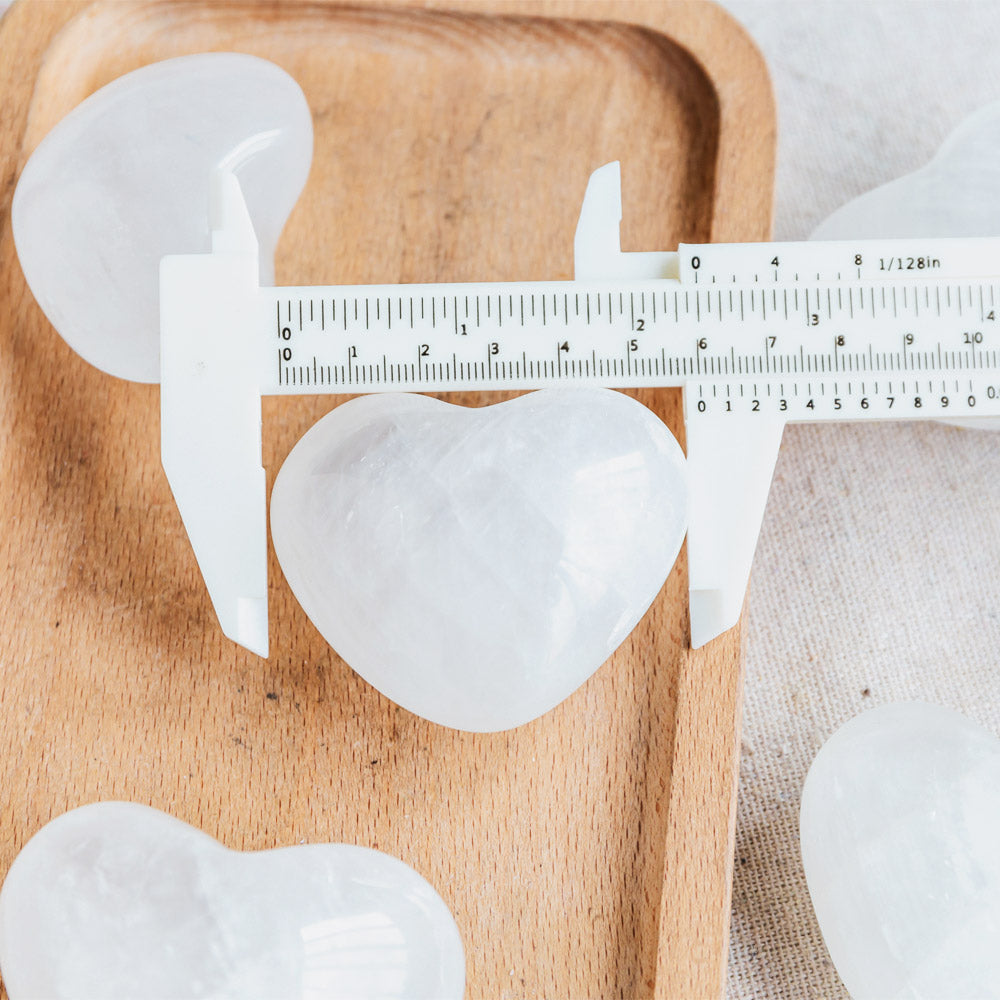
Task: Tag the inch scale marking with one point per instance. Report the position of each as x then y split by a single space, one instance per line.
868 349
756 335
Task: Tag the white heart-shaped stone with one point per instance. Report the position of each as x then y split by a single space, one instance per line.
899 822
124 179
478 565
953 195
117 901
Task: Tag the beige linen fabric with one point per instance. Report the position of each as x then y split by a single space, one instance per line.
877 576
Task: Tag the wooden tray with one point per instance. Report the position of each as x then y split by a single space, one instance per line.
585 855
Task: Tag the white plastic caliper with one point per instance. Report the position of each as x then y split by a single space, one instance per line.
756 335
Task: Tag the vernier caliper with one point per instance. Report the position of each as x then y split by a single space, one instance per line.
756 335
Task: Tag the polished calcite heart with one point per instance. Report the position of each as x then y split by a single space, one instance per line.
899 827
117 901
124 179
955 194
478 565
952 195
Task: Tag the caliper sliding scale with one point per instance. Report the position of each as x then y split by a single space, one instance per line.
755 334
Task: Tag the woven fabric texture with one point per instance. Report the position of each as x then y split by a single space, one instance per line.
877 576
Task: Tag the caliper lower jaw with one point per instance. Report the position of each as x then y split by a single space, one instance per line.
210 414
730 463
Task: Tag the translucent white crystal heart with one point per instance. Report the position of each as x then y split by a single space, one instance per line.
478 565
117 901
124 179
953 195
900 814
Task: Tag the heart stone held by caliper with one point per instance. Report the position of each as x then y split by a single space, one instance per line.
756 334
517 544
584 492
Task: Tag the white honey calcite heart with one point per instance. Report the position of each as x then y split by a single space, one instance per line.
117 901
955 194
124 179
478 565
899 826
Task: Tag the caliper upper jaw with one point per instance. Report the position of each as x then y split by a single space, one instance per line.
730 464
597 253
210 414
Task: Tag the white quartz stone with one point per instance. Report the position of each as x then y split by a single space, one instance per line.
478 565
899 827
124 179
116 901
953 195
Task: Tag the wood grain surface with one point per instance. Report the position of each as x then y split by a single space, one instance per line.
587 854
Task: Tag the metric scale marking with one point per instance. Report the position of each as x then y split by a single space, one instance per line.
756 335
525 336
